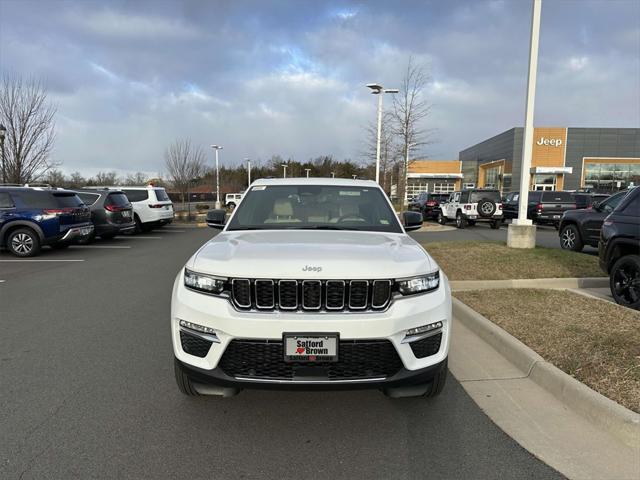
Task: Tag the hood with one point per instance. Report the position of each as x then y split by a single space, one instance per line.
312 254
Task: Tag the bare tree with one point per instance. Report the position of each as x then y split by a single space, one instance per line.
389 150
55 178
184 164
137 178
410 108
29 119
76 180
104 179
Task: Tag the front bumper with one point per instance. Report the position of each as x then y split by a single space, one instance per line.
390 326
404 378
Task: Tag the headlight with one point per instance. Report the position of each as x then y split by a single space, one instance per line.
203 283
421 284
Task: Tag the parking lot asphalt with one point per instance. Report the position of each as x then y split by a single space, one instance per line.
545 236
87 391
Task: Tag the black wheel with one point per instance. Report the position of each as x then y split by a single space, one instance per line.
624 281
23 242
59 246
556 225
438 383
461 222
441 219
495 224
138 228
570 239
183 381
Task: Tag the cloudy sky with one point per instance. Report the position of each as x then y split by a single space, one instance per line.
287 77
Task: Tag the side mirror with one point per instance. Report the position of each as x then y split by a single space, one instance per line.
216 218
412 221
596 206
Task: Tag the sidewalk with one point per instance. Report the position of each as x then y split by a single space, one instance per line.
533 417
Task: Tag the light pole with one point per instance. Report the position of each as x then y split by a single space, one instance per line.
216 148
379 90
248 160
354 176
522 233
333 174
3 132
284 170
307 170
406 172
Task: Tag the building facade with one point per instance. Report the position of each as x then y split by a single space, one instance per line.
598 159
436 176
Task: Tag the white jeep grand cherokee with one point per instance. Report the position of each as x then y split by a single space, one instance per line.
312 284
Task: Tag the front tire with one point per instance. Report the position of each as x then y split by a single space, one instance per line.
624 281
570 239
461 222
441 219
183 381
437 385
23 242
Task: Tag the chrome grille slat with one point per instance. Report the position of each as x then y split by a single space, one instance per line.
311 295
265 294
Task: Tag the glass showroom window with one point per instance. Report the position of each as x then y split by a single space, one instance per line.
544 182
444 187
492 177
416 187
611 177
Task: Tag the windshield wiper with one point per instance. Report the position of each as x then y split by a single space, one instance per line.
322 227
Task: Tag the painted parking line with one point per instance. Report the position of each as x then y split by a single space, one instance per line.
2 281
143 238
99 246
172 231
39 260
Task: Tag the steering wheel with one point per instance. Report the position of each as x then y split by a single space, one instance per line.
345 218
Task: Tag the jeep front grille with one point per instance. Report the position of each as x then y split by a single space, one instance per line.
311 295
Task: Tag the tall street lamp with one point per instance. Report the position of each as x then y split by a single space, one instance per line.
248 160
307 170
379 90
521 232
216 148
284 170
3 132
333 174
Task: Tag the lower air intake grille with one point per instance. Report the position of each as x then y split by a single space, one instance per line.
194 345
264 359
427 346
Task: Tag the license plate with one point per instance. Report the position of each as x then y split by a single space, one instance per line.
556 216
85 231
473 216
126 213
311 348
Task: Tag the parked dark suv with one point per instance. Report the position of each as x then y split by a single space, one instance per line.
619 250
582 227
428 204
111 212
545 207
32 217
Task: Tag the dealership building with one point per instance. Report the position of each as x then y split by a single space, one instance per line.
597 159
600 159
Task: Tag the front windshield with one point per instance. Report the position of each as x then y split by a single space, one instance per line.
321 207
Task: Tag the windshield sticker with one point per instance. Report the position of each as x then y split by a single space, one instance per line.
350 193
259 187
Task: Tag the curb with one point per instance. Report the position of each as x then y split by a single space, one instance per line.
547 283
619 421
190 225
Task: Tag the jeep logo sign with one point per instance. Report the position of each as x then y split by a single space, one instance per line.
310 268
554 142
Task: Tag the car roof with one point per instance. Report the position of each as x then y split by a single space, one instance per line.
345 182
